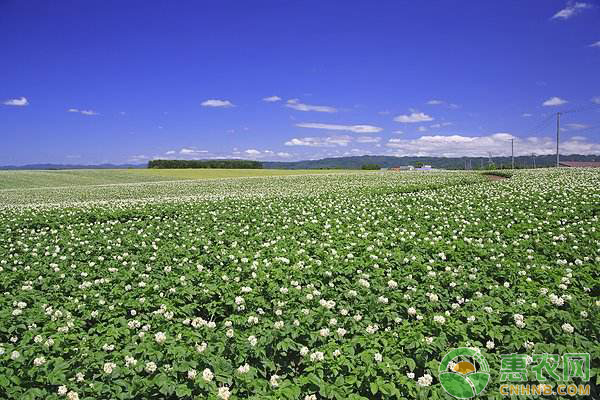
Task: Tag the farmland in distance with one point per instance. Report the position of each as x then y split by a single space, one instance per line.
85 177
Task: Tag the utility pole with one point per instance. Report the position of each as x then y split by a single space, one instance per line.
557 139
533 155
512 151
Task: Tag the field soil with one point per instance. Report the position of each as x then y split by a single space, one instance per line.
495 177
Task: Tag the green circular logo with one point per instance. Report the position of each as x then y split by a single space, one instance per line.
459 376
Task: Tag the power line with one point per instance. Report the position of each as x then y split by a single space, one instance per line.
542 124
545 123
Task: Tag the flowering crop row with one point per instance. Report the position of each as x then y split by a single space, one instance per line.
306 287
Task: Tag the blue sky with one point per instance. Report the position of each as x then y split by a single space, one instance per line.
113 81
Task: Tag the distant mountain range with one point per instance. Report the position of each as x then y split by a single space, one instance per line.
436 162
356 162
72 166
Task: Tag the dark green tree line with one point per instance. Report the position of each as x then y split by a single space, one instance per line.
232 164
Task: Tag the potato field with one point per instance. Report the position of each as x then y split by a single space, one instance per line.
332 286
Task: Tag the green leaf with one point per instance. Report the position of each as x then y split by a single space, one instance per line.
373 387
183 391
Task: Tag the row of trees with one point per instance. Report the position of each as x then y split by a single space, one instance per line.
227 164
371 166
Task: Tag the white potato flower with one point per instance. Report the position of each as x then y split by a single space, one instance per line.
38 361
223 393
243 369
317 356
109 367
160 337
207 375
72 395
252 340
150 367
425 380
568 328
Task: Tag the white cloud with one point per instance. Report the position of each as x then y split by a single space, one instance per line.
526 115
413 117
296 105
84 112
479 146
596 100
398 132
283 154
440 125
571 9
216 103
574 126
597 44
422 128
331 141
335 127
368 139
436 102
554 101
272 99
170 152
138 158
252 152
20 102
191 152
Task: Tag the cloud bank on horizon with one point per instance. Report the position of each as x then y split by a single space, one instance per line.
321 82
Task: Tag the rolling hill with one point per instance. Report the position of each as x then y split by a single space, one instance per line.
356 162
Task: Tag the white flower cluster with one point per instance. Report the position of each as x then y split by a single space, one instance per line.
425 380
519 320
